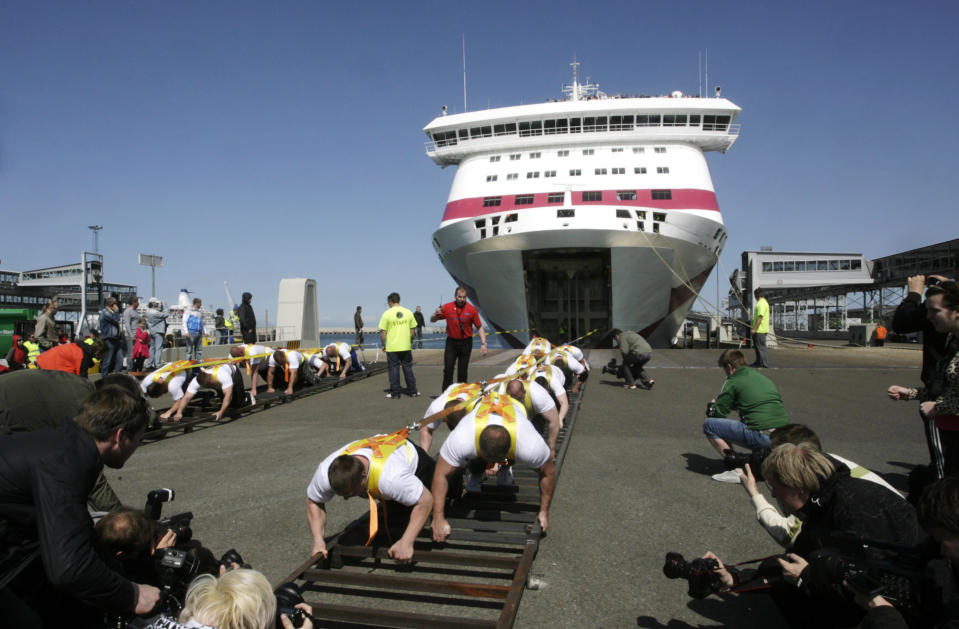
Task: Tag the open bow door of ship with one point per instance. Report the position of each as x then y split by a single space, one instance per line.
568 291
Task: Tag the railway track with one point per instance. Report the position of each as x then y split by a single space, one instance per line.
475 579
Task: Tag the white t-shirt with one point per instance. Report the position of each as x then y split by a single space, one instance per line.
576 352
521 363
539 396
439 404
397 480
538 344
256 350
223 374
174 385
316 360
460 445
557 382
571 363
343 349
293 357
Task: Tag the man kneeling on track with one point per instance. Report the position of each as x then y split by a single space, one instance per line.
337 358
226 380
385 467
288 361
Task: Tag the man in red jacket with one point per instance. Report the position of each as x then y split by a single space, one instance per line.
460 318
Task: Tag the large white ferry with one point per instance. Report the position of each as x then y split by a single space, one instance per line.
593 211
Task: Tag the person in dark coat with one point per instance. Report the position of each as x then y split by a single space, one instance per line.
247 319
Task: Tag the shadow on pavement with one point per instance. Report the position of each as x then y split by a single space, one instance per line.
700 464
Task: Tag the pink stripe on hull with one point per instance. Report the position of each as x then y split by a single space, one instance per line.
685 199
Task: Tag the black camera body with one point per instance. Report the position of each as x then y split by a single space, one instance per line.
733 460
700 573
179 524
288 596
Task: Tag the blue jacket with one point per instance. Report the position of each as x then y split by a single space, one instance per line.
109 324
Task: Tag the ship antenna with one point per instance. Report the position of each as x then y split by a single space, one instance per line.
574 94
464 72
707 69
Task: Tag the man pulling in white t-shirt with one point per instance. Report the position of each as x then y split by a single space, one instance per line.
337 357
454 395
288 360
387 467
495 431
254 354
219 378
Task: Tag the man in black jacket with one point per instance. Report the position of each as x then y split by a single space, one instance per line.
247 319
48 563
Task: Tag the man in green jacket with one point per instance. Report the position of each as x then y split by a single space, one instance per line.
636 353
760 410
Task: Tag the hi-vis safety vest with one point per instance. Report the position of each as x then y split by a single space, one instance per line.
539 345
382 446
471 390
33 350
527 400
524 361
501 405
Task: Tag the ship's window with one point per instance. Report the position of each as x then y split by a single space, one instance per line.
639 170
789 266
651 120
662 170
844 265
619 171
810 265
674 120
822 265
639 149
492 201
800 265
491 177
641 214
481 132
534 127
694 120
655 228
659 216
555 197
616 150
511 176
445 138
480 222
640 226
549 127
565 213
575 125
464 134
715 123
834 265
718 231
662 195
856 265
767 267
508 128
514 156
496 231
616 123
622 214
533 175
660 149
494 158
483 233
591 123
524 199
599 171
576 172
549 173
535 155
588 151
722 123
626 195
511 218
593 195
777 266
562 126
562 153
495 220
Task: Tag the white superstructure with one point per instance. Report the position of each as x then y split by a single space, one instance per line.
589 212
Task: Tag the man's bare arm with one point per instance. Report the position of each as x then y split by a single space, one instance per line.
316 517
441 529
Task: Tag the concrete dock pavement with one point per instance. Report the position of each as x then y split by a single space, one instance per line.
635 483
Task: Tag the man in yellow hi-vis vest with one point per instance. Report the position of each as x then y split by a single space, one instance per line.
385 467
495 432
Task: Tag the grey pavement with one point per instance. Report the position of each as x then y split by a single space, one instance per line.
635 483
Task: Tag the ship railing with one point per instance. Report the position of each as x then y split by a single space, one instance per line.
726 129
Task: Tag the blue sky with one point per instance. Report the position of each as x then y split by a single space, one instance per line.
249 141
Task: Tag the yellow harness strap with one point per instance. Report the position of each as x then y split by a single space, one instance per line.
382 447
164 373
501 405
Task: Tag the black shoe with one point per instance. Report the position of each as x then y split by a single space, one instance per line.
649 384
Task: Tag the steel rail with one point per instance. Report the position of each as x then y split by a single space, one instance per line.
474 579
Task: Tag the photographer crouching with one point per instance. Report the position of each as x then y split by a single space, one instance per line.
821 493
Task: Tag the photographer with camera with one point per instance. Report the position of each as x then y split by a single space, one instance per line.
636 353
48 562
760 410
821 493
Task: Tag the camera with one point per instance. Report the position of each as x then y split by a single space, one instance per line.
700 573
288 596
611 367
733 460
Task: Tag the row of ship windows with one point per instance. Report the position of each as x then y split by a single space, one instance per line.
494 221
589 195
811 265
576 172
565 153
589 124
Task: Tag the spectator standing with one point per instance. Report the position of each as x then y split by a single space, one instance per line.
156 317
358 326
461 317
192 330
141 346
247 319
760 328
18 356
397 326
420 324
46 328
232 323
881 333
219 323
131 320
110 335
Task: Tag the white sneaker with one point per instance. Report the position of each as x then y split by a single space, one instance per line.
504 477
729 476
473 484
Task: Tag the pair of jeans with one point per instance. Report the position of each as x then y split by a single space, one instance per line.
194 345
634 363
129 344
457 350
114 354
156 350
395 360
733 431
221 337
759 343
